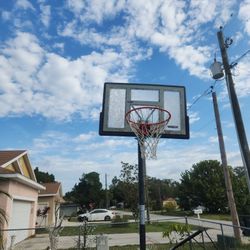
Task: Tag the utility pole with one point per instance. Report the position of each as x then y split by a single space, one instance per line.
242 139
106 191
228 183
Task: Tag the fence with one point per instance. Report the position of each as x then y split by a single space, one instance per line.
215 234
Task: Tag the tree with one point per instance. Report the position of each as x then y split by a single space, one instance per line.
88 192
204 185
43 177
241 191
125 188
160 190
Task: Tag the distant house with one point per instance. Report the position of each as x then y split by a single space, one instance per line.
69 209
49 201
170 204
17 178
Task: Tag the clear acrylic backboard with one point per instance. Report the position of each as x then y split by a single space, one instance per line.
119 98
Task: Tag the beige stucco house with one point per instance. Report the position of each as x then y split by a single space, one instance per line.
17 178
49 201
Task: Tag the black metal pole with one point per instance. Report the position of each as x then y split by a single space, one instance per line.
141 163
235 107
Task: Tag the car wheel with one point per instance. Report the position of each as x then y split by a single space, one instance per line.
85 218
80 219
107 218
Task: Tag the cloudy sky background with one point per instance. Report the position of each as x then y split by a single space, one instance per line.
56 55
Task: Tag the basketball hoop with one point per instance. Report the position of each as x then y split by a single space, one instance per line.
148 123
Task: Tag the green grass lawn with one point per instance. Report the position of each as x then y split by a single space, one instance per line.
226 217
115 229
123 228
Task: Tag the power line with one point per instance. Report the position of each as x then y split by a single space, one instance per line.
233 64
205 93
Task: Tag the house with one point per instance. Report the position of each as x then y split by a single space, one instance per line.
170 204
17 178
49 201
69 209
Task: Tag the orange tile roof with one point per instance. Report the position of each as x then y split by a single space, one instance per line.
8 155
51 188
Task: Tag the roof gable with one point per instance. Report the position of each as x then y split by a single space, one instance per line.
52 189
8 156
15 166
17 161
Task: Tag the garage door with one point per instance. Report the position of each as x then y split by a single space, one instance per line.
20 219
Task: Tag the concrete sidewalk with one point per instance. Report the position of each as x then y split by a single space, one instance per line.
41 241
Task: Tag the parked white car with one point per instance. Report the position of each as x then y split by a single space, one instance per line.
97 214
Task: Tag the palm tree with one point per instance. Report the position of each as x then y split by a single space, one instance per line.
3 219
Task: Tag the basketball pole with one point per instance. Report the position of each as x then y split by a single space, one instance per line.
141 167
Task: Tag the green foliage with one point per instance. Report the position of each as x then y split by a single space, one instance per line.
170 206
43 177
203 185
87 191
108 229
119 221
125 188
83 238
176 232
159 190
241 192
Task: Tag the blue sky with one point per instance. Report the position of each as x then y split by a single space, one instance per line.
56 55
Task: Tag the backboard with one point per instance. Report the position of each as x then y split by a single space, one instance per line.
119 98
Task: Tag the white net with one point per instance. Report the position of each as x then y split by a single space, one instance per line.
148 124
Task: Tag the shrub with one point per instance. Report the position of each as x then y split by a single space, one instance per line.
119 221
175 232
170 205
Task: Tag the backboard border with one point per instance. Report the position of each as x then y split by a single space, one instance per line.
170 135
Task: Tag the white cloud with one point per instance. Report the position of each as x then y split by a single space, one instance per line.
95 10
192 59
52 85
45 15
242 78
55 152
193 117
6 15
85 137
175 27
59 46
213 139
194 134
244 14
172 161
24 4
202 11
